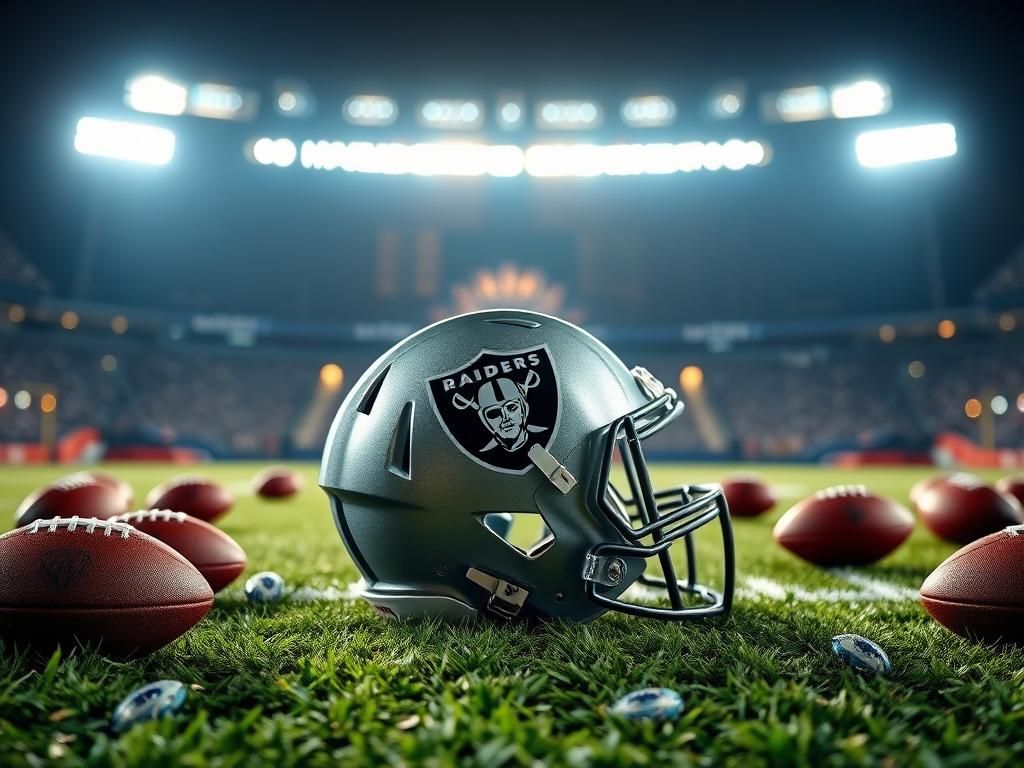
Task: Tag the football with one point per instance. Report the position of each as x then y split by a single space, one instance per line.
100 582
77 494
117 484
979 590
964 508
844 525
747 495
194 496
277 483
1012 485
215 554
926 484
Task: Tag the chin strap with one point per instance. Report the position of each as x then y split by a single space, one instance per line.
506 598
552 468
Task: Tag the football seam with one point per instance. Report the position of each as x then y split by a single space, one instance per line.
1014 608
64 609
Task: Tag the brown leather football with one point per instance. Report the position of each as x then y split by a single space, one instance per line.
192 495
277 483
77 494
100 582
979 590
964 508
747 495
844 525
215 554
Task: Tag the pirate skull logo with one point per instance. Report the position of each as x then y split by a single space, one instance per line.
499 404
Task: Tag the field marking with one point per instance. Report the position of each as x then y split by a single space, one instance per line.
865 590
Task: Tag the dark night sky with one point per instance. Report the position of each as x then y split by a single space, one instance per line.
964 56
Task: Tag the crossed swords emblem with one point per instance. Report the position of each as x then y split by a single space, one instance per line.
503 409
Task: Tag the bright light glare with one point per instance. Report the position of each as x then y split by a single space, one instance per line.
22 400
370 109
879 149
568 115
124 141
279 152
510 114
435 159
795 105
220 102
648 111
999 405
542 160
861 99
451 113
152 93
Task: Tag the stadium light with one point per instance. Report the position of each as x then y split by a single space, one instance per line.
511 111
156 94
568 115
69 320
108 363
292 99
691 378
1007 322
48 402
727 100
795 105
895 146
3 397
267 151
331 376
887 333
916 369
429 159
370 109
451 114
1020 402
999 405
546 160
972 408
648 111
134 142
15 313
119 324
864 98
22 400
222 102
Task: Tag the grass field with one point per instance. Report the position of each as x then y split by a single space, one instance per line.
327 682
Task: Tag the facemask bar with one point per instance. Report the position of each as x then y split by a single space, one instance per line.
663 516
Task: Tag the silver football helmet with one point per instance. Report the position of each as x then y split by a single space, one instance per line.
479 421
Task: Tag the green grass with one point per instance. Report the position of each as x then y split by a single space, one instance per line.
329 683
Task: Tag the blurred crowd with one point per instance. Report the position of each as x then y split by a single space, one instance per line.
246 402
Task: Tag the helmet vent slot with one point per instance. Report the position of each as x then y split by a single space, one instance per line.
370 396
525 532
400 452
520 322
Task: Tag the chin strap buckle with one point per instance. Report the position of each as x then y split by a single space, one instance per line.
506 598
552 468
608 571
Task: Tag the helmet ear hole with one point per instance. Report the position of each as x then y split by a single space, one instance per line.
525 532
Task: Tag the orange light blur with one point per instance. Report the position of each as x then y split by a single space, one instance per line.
887 333
331 376
3 397
973 408
691 378
119 324
15 313
947 329
1007 322
69 320
48 403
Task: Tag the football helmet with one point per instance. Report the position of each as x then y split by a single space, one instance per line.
482 420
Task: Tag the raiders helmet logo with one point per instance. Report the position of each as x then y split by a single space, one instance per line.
499 404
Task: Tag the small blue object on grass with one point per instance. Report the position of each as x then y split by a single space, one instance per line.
152 701
649 704
861 654
264 587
